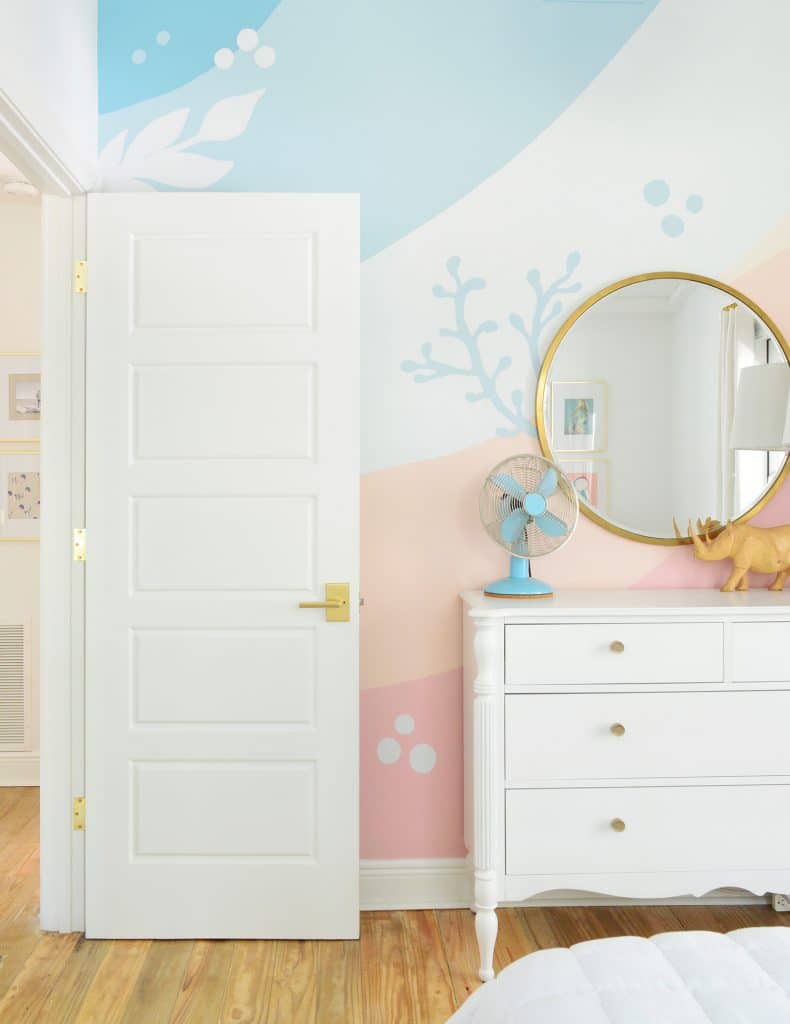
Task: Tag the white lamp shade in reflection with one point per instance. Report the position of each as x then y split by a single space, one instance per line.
762 409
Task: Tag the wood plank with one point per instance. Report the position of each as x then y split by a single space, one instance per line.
203 985
385 964
457 928
429 971
158 983
10 798
763 917
633 920
539 923
294 990
723 918
249 983
701 918
19 933
514 939
114 981
67 995
339 995
31 988
565 925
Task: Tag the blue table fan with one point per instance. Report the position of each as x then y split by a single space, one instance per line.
529 507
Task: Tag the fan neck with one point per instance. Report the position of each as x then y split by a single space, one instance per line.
520 568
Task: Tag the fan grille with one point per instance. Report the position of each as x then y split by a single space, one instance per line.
496 505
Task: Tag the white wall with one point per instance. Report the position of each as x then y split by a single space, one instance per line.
694 438
629 352
48 69
20 304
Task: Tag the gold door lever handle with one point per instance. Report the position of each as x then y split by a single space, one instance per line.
337 603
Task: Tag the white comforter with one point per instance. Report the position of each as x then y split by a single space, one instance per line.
674 978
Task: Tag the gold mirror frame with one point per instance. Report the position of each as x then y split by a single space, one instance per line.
543 380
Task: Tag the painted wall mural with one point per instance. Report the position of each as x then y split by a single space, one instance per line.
512 158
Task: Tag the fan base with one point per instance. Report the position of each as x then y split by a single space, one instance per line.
518 588
519 597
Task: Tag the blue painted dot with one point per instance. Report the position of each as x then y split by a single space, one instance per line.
672 225
694 204
656 192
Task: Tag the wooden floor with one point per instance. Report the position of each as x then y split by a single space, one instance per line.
411 967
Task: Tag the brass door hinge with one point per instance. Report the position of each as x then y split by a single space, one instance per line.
79 544
78 814
81 277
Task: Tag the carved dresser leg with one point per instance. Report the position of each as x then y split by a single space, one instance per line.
486 923
485 794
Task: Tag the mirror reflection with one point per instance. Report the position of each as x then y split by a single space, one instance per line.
642 409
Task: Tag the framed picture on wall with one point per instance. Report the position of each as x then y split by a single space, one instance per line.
20 397
579 410
20 476
590 479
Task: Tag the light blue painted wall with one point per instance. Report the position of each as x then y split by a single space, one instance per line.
412 104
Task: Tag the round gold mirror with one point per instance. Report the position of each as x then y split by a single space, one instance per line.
639 404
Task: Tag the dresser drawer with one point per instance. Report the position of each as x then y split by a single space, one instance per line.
570 654
645 735
760 652
672 828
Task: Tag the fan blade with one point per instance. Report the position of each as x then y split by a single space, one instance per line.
548 485
551 525
509 485
512 528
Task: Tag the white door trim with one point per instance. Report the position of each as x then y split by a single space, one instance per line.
62 590
25 148
62 463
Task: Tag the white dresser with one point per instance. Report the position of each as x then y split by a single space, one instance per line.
629 743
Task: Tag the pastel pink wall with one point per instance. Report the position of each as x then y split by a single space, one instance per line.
413 569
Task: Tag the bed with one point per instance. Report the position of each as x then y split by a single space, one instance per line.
742 977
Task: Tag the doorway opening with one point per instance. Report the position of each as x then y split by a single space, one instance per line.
20 476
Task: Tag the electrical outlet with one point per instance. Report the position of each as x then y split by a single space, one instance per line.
780 902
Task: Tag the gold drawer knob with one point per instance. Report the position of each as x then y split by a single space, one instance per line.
617 729
618 825
617 646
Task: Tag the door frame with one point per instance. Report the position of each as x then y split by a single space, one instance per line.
62 620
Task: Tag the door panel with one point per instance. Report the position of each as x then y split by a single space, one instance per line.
222 490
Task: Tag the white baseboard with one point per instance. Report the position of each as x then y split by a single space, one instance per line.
447 884
414 884
18 769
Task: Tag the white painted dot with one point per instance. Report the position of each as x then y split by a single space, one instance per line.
224 58
162 38
138 56
422 758
404 724
247 39
265 56
388 750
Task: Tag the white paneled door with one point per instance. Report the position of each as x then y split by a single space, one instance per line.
222 491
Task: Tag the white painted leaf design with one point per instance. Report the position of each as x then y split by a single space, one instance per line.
228 118
156 136
184 170
112 153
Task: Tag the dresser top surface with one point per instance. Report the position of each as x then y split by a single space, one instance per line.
749 605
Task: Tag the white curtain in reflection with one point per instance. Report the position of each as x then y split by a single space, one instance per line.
738 348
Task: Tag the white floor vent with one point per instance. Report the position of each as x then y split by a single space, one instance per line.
13 687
